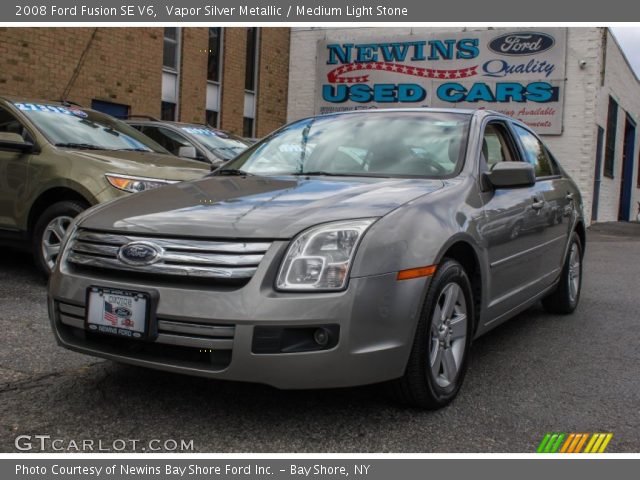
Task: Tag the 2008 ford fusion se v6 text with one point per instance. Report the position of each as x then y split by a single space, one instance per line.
341 250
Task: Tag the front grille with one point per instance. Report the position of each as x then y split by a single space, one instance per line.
180 342
180 257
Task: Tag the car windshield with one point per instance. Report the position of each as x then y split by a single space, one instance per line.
403 144
78 128
223 145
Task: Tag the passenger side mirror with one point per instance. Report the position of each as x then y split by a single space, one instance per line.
14 142
187 151
510 175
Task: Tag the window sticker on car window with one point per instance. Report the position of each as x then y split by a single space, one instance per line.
201 131
78 113
41 107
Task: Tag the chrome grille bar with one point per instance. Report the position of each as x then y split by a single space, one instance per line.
179 257
175 244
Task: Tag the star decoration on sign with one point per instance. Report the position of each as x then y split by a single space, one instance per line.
337 74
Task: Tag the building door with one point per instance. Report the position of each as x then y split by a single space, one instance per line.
626 180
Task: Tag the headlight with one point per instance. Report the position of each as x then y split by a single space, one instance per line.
135 184
319 258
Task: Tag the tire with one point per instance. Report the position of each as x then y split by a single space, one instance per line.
49 231
427 382
564 299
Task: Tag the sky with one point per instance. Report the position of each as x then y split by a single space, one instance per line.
629 39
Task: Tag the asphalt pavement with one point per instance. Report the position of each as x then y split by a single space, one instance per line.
537 373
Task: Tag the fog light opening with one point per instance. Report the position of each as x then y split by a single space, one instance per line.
321 337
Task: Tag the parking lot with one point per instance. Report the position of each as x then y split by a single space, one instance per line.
535 374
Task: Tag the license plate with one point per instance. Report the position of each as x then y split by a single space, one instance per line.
117 312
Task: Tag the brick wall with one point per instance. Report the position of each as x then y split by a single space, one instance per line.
121 66
124 65
272 79
233 66
193 75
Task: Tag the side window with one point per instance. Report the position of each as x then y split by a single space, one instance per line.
168 139
535 153
496 146
10 124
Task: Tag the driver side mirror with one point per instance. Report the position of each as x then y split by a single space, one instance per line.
510 175
14 142
187 151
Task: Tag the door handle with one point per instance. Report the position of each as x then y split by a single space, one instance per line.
537 204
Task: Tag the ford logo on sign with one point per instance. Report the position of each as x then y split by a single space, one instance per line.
139 253
522 43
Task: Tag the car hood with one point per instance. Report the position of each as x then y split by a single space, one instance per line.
144 164
254 207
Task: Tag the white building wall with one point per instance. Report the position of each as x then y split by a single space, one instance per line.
623 86
585 102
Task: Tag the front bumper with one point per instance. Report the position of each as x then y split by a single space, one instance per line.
376 316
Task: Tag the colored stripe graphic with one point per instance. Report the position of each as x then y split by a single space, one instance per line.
556 442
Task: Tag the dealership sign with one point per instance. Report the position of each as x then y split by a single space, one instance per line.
517 72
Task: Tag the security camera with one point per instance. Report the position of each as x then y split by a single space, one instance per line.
582 63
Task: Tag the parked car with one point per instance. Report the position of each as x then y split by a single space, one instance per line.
342 250
58 159
192 141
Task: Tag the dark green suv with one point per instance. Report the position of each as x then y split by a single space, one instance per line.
57 159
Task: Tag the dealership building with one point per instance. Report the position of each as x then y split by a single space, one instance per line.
574 86
232 78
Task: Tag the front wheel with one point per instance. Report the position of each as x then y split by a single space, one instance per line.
439 356
49 231
564 299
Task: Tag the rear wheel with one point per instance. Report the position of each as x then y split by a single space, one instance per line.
439 356
564 299
49 231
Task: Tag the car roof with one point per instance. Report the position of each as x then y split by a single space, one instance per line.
143 120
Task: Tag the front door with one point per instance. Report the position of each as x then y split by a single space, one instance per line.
509 228
14 167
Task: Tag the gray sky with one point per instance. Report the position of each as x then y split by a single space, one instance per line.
629 38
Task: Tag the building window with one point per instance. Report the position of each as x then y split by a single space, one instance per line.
171 50
170 73
612 130
168 111
250 82
251 59
214 54
247 127
212 118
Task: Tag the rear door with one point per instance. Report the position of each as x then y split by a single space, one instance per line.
552 203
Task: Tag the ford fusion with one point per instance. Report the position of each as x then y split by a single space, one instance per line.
342 250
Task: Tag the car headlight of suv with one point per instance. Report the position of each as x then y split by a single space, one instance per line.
320 258
135 184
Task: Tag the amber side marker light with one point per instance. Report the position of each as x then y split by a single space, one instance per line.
416 272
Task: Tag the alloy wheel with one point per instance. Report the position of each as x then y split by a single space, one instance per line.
574 273
52 239
448 335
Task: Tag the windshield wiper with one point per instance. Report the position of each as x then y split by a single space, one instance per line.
232 172
132 150
83 146
323 173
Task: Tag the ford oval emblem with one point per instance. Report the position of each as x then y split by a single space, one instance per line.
139 253
522 43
